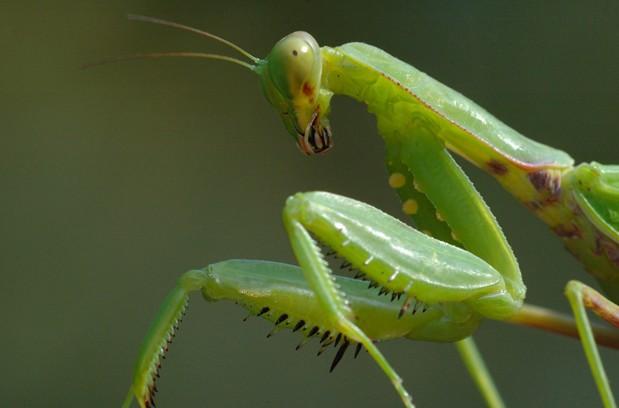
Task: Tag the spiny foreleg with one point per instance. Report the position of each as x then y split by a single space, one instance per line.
395 256
280 294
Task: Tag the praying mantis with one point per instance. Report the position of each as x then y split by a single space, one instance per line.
436 281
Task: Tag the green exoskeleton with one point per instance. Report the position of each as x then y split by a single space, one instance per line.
441 277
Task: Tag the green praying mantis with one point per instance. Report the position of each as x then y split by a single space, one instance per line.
435 281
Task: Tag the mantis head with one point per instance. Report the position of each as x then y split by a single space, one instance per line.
290 77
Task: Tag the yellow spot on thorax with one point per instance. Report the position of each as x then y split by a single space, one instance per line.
410 206
397 180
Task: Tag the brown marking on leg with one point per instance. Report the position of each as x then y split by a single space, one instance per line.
497 168
567 231
601 306
538 179
546 181
608 247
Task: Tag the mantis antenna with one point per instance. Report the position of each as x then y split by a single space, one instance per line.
182 53
192 30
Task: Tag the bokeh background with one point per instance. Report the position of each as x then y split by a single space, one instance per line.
115 180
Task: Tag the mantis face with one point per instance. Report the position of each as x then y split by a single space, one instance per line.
290 77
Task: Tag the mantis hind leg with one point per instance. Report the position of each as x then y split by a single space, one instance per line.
581 297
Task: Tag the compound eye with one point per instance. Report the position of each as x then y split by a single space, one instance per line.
295 64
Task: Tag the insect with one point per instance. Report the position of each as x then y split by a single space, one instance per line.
436 281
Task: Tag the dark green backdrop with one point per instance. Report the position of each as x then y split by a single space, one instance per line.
117 179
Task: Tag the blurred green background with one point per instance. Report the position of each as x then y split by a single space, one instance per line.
117 179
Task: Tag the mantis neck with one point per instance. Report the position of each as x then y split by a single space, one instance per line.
527 169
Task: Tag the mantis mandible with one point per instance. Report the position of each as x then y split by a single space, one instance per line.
440 278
